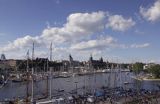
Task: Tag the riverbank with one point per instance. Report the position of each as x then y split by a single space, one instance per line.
142 78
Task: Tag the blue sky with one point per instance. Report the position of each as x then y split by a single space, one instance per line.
125 30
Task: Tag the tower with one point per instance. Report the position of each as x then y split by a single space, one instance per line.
91 62
70 58
3 57
91 58
101 59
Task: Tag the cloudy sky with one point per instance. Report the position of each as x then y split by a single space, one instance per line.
118 30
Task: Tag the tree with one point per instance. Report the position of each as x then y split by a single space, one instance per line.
137 67
155 70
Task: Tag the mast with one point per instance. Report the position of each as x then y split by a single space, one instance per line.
27 77
50 72
46 70
51 52
84 88
120 75
95 81
32 96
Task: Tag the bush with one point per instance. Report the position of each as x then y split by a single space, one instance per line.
137 67
155 70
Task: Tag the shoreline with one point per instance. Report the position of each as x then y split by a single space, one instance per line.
144 78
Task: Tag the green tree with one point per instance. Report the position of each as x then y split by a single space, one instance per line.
155 70
137 67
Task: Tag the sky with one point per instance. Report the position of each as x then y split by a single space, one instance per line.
117 30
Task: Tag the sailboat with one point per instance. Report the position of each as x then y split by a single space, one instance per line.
48 100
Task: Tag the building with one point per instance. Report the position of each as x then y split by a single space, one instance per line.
8 64
74 63
96 64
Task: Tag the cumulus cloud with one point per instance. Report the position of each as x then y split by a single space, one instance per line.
78 26
76 34
140 45
119 23
104 43
21 43
94 44
101 44
152 13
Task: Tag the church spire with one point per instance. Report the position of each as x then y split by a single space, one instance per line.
70 58
91 58
101 59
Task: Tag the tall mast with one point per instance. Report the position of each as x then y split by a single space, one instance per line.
32 96
120 75
47 79
27 76
51 52
50 72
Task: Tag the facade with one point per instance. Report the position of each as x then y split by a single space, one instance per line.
96 64
74 65
8 64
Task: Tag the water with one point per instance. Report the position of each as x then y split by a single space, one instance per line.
91 83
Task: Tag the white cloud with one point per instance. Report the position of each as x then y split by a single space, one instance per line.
79 26
21 43
75 36
157 61
140 45
119 23
152 13
94 44
103 44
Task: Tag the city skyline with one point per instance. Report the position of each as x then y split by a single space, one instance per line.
126 31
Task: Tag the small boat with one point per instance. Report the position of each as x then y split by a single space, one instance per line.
60 90
57 101
17 80
46 102
126 83
64 75
55 76
91 99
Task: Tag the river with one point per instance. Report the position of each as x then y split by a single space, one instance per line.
91 83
